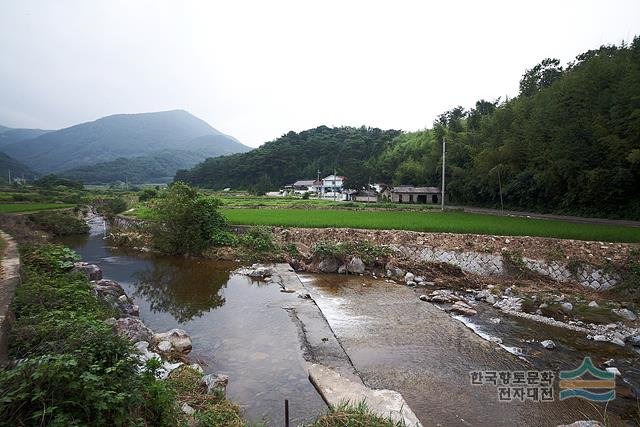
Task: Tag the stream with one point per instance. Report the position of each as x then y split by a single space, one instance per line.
237 325
394 340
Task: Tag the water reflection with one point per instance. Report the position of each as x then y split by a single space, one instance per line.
183 288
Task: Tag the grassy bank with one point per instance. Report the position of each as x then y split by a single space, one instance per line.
31 207
75 370
452 222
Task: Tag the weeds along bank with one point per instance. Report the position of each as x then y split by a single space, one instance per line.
79 355
68 366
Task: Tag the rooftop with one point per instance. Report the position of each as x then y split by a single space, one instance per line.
413 190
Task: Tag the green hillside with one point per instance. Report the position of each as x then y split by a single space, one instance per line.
154 168
294 156
121 135
568 143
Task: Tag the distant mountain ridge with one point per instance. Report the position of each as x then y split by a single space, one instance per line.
9 136
154 168
141 138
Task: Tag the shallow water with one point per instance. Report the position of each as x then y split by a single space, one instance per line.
238 326
397 341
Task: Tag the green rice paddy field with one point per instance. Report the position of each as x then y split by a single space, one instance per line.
31 207
452 222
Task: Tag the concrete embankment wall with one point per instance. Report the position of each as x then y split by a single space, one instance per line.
9 281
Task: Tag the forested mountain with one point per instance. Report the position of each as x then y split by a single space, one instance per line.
154 168
295 156
9 136
122 135
569 143
18 170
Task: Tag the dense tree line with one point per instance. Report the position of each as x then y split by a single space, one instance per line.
296 156
568 143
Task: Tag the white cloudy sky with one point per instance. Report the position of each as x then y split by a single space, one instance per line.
257 69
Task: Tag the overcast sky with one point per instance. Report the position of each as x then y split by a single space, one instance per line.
256 70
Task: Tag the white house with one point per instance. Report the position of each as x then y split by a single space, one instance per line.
333 187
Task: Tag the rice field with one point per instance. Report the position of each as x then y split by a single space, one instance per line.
6 208
451 222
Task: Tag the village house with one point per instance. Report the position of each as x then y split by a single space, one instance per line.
419 195
333 187
306 186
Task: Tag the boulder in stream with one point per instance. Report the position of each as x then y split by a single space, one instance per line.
462 308
548 344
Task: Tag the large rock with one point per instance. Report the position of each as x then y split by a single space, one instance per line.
509 304
440 296
104 287
626 314
355 266
90 271
133 328
566 307
408 277
178 338
548 344
329 265
215 383
462 308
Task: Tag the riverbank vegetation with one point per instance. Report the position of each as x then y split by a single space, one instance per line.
569 143
449 222
70 368
357 415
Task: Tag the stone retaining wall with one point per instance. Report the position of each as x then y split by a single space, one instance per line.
491 264
9 281
478 254
585 275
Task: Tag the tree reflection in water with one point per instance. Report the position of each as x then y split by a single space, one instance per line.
184 288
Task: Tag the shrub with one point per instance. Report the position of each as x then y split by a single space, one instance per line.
59 223
147 194
258 239
186 222
365 250
113 206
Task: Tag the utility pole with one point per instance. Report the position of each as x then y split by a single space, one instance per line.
334 184
318 185
9 176
500 186
444 150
